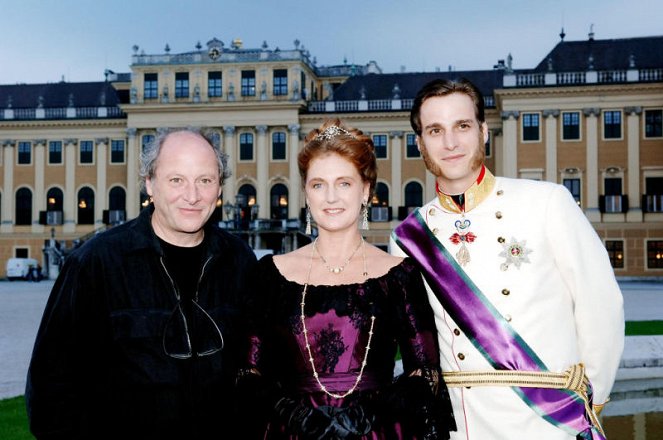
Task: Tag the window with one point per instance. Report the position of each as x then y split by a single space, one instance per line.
248 83
85 152
280 82
23 207
117 199
573 185
145 141
54 198
21 252
214 85
246 146
530 127
613 186
381 197
380 143
613 200
117 151
55 152
85 206
411 149
278 145
615 250
571 126
151 86
414 195
181 84
653 123
279 201
24 153
655 254
612 124
653 199
487 146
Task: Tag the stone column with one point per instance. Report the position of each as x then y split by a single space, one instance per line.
70 197
294 198
39 197
262 171
497 150
229 190
634 213
396 138
133 188
592 206
551 144
9 198
510 150
101 201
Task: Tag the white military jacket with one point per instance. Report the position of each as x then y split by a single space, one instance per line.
559 293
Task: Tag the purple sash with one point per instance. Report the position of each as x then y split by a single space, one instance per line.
488 331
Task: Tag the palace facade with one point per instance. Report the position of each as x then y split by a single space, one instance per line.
588 116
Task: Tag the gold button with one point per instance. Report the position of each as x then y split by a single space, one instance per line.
500 239
500 192
456 332
508 318
461 356
506 292
498 214
435 231
431 211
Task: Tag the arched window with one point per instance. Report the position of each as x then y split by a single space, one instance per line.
246 195
381 197
413 194
117 199
23 207
278 197
85 206
54 198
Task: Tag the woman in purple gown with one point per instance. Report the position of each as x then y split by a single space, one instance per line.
332 314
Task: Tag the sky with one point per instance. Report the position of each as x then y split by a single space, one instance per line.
76 40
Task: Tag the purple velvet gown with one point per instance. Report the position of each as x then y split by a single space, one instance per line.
338 322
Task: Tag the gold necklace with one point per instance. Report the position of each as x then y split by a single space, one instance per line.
308 346
339 269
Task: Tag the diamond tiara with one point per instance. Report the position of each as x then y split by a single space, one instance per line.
331 132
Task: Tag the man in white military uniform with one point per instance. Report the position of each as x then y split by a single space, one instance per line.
529 315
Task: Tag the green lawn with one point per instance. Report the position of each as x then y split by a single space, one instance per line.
635 328
14 422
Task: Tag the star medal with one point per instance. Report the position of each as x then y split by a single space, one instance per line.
514 252
462 237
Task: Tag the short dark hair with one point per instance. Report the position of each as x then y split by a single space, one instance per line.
148 158
444 87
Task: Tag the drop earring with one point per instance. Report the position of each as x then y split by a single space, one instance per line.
364 220
307 231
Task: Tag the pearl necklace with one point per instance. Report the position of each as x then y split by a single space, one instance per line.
323 388
341 268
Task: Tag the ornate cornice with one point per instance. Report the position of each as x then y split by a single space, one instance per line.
261 129
103 140
550 112
396 134
294 128
591 111
229 130
70 141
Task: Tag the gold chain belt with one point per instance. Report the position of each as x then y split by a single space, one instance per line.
573 379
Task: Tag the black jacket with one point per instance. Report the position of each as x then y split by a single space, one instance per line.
99 369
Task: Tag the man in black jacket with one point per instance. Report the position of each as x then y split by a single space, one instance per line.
142 331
